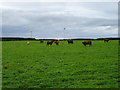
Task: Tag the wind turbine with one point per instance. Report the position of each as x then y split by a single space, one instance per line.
31 33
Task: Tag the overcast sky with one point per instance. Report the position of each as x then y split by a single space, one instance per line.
48 20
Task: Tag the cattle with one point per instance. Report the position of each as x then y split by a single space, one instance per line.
106 40
70 41
53 41
87 43
56 42
50 42
28 43
41 41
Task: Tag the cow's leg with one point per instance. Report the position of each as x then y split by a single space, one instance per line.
90 44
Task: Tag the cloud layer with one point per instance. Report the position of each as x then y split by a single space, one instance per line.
48 20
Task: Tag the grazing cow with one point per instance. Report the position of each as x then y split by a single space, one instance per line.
50 42
87 43
70 41
41 41
106 40
56 42
28 43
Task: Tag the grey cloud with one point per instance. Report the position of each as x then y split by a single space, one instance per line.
49 22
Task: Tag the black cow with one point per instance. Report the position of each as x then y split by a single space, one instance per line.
70 41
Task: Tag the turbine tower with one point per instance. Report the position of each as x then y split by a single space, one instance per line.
64 32
31 33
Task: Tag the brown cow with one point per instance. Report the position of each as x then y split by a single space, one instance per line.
50 42
56 42
106 40
41 41
87 43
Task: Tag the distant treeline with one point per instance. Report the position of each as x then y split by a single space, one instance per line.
108 38
15 39
22 39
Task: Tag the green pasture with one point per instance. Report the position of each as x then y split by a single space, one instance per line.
65 66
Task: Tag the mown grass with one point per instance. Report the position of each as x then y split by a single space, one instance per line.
65 66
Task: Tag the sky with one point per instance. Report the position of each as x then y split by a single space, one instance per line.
48 19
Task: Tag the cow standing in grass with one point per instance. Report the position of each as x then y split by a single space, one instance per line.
28 43
50 42
70 41
41 41
56 42
106 40
87 43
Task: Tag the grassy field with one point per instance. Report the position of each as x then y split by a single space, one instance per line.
65 66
